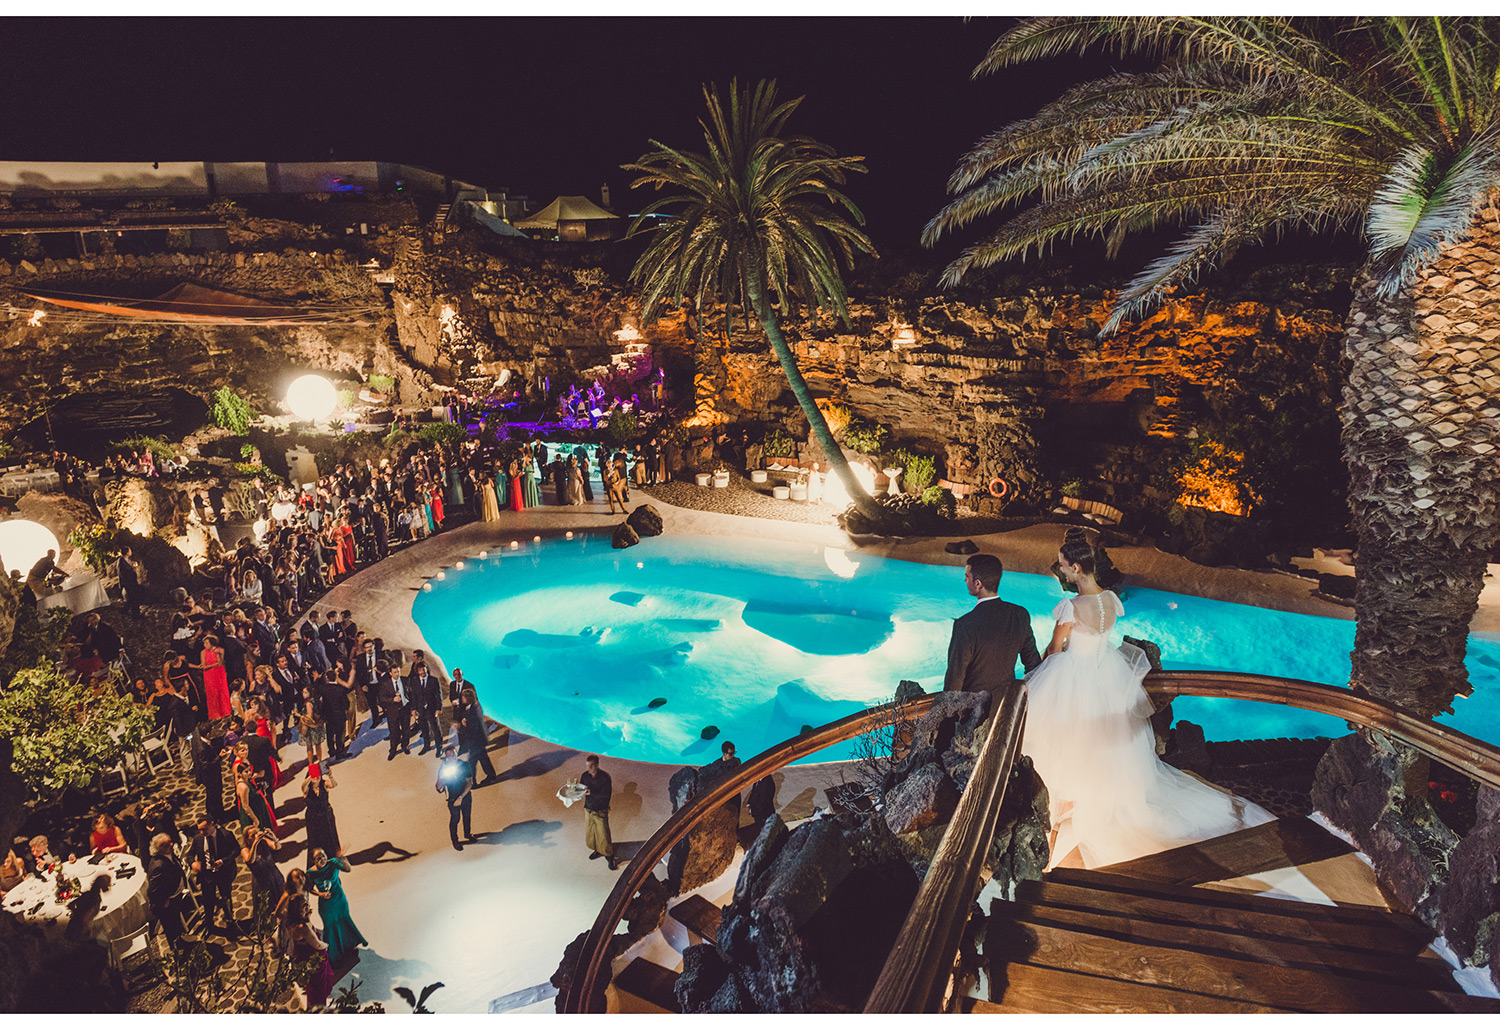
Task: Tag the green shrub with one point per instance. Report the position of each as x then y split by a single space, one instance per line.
247 451
942 499
37 638
779 444
94 544
348 399
379 383
919 470
434 433
623 427
250 471
232 412
64 735
160 449
866 437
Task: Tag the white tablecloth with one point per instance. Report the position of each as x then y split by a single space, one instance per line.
82 592
122 909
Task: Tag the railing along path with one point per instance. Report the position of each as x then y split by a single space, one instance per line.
916 974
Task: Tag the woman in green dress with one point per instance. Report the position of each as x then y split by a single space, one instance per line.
338 929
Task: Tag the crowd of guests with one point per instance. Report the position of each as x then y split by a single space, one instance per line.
253 665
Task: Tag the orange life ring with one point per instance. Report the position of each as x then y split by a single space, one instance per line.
999 487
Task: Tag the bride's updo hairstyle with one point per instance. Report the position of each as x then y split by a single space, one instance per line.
1079 553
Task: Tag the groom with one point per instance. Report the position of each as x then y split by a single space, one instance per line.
986 641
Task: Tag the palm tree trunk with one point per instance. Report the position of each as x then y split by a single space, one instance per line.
1421 430
836 461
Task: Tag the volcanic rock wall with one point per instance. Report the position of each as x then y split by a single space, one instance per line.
68 353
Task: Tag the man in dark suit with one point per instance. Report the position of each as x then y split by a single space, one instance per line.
289 685
986 642
396 704
166 888
215 857
130 583
367 678
334 702
426 694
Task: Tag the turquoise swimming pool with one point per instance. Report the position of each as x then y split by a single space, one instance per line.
635 653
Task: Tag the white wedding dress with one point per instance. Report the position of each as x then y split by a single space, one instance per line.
1089 736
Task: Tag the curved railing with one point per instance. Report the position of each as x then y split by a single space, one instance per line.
586 992
1468 755
915 975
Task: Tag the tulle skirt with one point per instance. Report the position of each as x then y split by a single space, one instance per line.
1089 736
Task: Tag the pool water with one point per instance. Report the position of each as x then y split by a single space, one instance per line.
635 653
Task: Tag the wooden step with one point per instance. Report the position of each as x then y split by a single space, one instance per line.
1428 974
1370 915
1024 988
1368 937
1192 969
1275 845
699 915
649 982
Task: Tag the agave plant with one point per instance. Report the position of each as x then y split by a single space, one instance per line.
758 219
1247 128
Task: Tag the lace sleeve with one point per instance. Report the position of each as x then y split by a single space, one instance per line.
1119 606
1063 613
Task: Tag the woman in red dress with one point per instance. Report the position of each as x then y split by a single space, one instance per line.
107 838
215 681
263 729
517 502
346 543
437 505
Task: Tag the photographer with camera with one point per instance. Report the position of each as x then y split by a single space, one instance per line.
456 779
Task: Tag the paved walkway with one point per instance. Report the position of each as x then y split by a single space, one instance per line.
491 921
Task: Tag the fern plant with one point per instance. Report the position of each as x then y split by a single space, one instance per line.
232 412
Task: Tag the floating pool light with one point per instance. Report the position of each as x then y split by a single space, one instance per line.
569 534
536 539
458 564
311 398
515 545
23 543
426 588
483 555
442 575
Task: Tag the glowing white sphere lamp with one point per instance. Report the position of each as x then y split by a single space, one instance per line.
459 564
311 398
23 543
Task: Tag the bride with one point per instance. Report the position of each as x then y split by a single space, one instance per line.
1089 736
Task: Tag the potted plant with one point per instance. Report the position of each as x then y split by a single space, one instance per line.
377 389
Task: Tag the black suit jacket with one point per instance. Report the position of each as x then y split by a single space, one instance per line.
986 642
222 846
129 581
429 696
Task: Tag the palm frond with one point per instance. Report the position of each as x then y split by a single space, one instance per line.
1425 202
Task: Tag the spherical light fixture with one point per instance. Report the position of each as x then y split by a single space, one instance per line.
311 398
23 543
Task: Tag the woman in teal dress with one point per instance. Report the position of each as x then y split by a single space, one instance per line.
531 496
455 487
338 929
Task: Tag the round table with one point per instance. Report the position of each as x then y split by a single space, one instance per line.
122 909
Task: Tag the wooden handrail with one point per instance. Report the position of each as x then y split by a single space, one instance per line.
1468 755
915 975
586 992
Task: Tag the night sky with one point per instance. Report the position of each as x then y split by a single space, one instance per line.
541 106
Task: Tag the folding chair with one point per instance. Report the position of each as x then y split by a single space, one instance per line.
116 771
131 952
156 754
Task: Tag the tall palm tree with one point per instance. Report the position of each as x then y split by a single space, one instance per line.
1247 128
759 219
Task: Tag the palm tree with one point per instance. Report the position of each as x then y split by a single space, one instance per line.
755 220
1247 128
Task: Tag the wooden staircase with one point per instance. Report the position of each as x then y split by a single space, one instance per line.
1141 937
